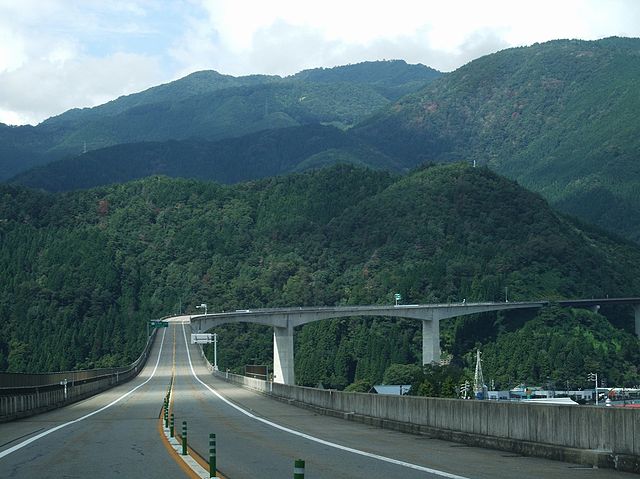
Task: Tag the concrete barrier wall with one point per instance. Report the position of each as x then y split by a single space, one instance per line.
23 401
602 436
582 427
39 399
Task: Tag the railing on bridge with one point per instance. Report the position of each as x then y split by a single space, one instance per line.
23 395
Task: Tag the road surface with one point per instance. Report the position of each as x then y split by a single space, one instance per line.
257 437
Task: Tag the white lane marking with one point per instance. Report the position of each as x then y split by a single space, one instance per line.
6 452
313 438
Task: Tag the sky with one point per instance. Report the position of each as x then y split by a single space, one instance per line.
61 54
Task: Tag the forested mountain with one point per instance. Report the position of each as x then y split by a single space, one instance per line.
83 271
198 83
211 106
392 79
257 155
560 117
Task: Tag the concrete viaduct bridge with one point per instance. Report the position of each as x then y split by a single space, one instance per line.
285 319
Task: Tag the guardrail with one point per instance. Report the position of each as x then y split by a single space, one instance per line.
23 395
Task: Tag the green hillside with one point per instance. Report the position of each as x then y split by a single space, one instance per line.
211 106
392 79
257 155
83 271
198 83
559 117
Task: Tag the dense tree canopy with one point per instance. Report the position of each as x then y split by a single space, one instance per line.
82 272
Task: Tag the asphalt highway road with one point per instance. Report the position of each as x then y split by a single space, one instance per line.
265 439
257 437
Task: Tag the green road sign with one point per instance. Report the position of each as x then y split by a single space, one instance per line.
158 324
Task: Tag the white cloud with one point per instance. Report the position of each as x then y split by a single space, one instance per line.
10 117
62 85
197 48
288 35
58 54
12 50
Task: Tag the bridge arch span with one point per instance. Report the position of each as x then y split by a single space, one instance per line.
284 320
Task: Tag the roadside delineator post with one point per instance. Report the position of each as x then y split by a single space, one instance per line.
212 455
166 414
298 469
184 438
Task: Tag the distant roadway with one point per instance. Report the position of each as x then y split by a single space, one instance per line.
257 437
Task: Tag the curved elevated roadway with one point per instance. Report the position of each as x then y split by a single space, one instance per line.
284 320
256 436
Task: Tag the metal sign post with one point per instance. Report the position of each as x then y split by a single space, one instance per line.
397 297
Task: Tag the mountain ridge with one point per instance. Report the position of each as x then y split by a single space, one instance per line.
212 106
557 116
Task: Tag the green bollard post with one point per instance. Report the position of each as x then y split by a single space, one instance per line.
184 438
171 426
166 415
212 455
298 469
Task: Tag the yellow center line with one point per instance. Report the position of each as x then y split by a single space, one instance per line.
192 452
172 452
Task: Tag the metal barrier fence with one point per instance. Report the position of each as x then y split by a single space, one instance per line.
23 395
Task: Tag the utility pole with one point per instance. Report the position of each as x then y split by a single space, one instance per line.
478 380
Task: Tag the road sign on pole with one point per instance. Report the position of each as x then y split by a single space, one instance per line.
397 297
202 338
203 306
155 323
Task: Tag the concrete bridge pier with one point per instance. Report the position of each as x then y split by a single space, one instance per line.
431 341
636 309
283 355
